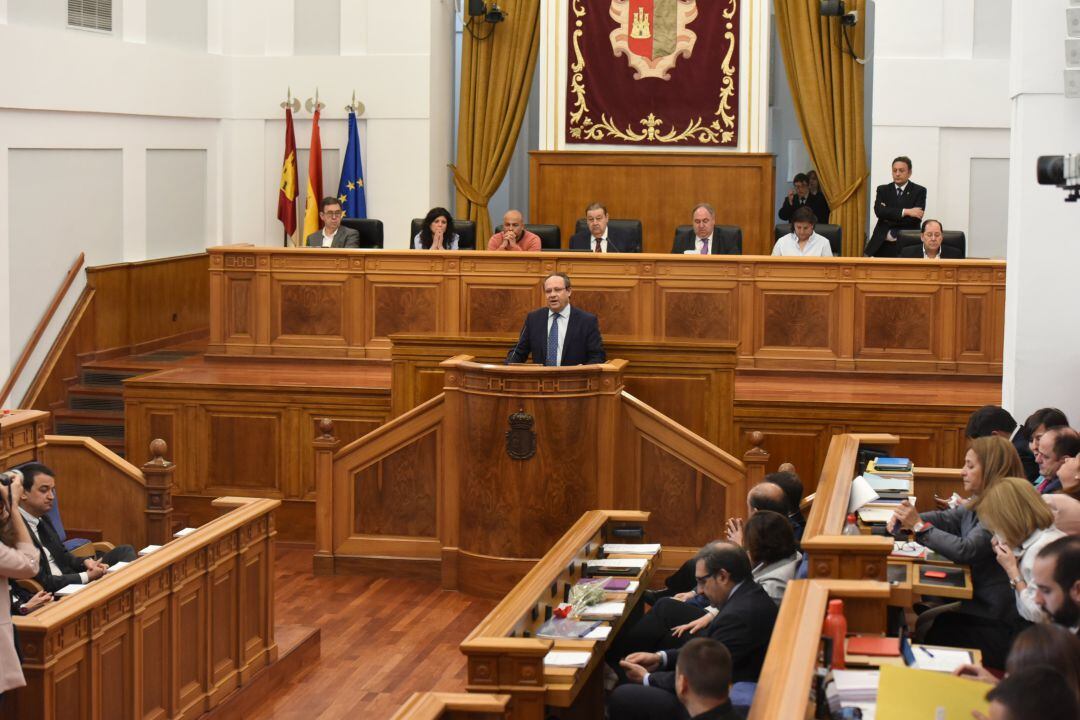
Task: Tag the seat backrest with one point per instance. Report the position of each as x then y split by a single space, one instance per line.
370 229
465 229
832 233
550 237
630 229
953 238
731 232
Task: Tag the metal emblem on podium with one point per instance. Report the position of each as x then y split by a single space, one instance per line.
520 438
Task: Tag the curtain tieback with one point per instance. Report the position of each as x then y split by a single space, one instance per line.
850 191
467 189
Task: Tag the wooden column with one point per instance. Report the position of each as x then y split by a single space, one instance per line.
158 475
325 445
755 459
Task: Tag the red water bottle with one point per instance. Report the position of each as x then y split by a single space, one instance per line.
835 627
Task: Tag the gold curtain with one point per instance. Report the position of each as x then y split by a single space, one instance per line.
496 75
827 86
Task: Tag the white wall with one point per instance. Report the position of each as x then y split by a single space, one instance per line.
940 96
1042 345
194 86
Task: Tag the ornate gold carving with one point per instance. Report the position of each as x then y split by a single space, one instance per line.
584 127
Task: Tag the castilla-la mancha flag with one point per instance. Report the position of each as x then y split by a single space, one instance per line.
286 204
660 73
312 223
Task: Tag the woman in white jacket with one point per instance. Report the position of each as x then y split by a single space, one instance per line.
18 560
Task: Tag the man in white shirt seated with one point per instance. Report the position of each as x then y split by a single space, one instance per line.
931 248
804 242
333 235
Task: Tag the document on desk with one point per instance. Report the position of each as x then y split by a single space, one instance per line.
600 632
861 493
117 566
875 515
603 611
149 549
940 659
621 563
631 548
567 658
69 590
907 693
908 549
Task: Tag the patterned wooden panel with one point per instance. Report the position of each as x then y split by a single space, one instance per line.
973 310
253 618
898 322
160 425
519 508
680 398
68 685
115 675
804 446
699 313
500 309
191 663
688 509
312 309
408 308
156 669
239 306
223 650
614 308
241 451
796 319
397 496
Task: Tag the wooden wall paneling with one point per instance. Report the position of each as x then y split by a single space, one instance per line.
694 310
153 658
347 428
739 185
791 318
494 305
397 495
189 610
230 434
113 668
803 445
308 309
224 618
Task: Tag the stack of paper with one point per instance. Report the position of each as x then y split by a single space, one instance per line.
617 566
184 532
69 590
149 549
567 658
117 566
600 632
631 548
604 611
940 659
856 686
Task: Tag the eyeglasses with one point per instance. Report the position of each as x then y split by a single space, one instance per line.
702 579
333 213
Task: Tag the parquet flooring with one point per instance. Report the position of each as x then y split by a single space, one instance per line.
382 640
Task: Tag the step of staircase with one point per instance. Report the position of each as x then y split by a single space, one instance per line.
96 397
107 377
99 424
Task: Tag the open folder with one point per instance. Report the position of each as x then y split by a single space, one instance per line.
906 694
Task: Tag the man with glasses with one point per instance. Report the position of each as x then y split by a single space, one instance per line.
333 235
743 623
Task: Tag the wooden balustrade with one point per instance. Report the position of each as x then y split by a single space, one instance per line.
169 636
453 706
504 654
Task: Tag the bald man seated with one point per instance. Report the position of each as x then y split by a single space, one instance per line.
514 236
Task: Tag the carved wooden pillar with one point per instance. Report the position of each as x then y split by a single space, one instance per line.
158 476
755 459
325 445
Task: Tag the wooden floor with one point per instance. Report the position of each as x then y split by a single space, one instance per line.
382 640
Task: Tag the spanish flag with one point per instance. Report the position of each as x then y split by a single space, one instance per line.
286 204
312 223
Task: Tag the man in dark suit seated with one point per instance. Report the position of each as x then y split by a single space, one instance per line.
704 241
931 248
801 197
702 684
58 567
743 623
333 235
994 420
898 205
559 334
598 237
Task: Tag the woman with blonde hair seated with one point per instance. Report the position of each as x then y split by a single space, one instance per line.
1022 523
988 620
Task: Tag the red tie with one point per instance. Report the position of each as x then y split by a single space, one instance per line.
597 248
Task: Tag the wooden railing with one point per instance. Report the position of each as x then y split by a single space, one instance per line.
933 482
43 324
453 706
169 636
783 689
504 654
126 308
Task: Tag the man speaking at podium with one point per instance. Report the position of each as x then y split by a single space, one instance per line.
559 334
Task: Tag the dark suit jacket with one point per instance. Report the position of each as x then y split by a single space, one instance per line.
343 238
69 565
744 624
1022 443
915 251
816 203
617 241
581 346
721 245
889 209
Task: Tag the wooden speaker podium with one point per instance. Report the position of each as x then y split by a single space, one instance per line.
476 484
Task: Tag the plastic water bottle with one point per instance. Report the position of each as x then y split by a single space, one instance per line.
850 528
835 627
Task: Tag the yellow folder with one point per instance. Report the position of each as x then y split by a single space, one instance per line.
906 694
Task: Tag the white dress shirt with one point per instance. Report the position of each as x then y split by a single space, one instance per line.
328 240
698 243
603 243
816 246
564 318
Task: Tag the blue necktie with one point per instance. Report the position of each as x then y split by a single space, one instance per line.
553 341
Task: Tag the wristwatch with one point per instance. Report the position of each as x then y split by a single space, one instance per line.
1013 582
920 527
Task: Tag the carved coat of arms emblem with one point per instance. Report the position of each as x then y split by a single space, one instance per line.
520 438
652 34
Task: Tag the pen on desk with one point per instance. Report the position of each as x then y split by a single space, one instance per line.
930 654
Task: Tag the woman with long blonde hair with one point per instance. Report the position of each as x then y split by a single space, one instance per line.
19 560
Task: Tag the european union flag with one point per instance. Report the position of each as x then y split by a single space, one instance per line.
351 188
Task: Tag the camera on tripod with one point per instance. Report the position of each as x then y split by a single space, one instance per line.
1060 170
